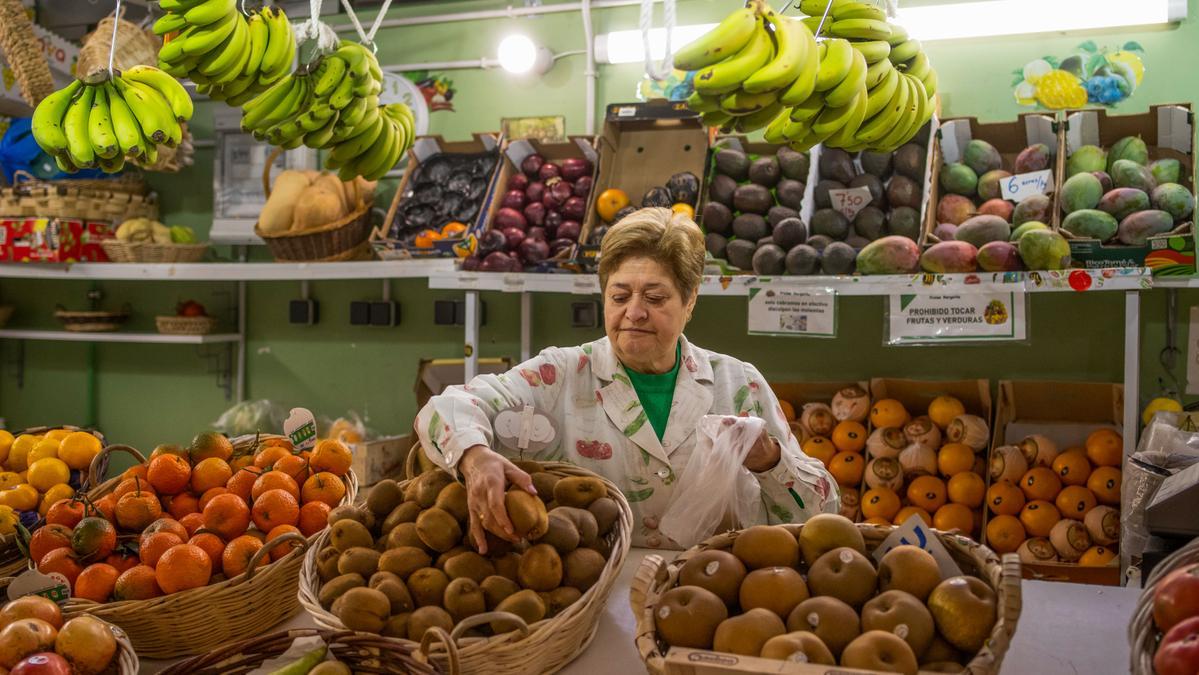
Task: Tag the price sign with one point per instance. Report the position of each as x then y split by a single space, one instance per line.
803 313
1022 186
850 201
924 319
300 427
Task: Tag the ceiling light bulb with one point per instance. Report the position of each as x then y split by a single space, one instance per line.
517 54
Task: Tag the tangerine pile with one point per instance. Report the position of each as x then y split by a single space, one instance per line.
34 639
836 435
190 517
39 470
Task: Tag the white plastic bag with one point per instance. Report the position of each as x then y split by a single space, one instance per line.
1163 451
714 483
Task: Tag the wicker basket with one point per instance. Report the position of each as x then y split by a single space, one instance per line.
114 200
24 53
126 658
125 252
185 325
134 47
202 619
362 652
1143 634
656 576
544 647
98 321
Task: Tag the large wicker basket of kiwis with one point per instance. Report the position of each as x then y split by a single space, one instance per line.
814 593
401 565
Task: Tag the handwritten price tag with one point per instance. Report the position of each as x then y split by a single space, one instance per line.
1025 185
850 201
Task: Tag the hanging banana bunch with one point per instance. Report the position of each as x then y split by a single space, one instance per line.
864 86
103 124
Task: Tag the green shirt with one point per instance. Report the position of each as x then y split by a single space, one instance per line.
656 393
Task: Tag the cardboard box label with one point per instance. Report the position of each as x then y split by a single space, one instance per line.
1025 185
300 427
850 201
922 319
914 532
806 313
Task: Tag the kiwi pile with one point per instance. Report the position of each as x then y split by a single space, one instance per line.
818 597
404 561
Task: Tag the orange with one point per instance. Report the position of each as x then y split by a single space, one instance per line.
1105 447
1074 501
78 450
48 538
193 522
1005 499
426 238
96 582
847 468
137 583
954 517
181 505
227 515
1005 534
151 547
93 539
274 480
241 461
269 455
213 545
61 560
1072 467
207 496
788 410
169 474
327 488
967 488
135 471
880 502
236 558
281 441
314 516
210 473
135 484
849 436
1039 517
888 413
909 511
610 202
1105 483
927 492
169 449
286 547
685 209
452 229
882 522
818 447
954 458
242 482
182 567
333 456
274 508
1097 556
107 506
167 525
21 498
943 409
66 512
122 562
210 444
136 510
1040 482
294 466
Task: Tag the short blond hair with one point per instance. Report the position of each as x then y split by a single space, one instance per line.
671 239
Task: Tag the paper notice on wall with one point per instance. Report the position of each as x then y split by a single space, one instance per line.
983 317
805 313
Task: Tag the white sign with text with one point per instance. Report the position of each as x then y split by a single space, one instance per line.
805 313
850 201
1022 186
917 319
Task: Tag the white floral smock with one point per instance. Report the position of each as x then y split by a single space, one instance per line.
603 428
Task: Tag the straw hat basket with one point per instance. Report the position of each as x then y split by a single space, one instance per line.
543 647
202 619
112 200
185 325
656 576
1143 634
362 652
21 48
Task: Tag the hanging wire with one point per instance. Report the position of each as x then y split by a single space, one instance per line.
662 70
368 39
112 47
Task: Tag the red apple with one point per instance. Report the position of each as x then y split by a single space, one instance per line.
43 663
1176 597
1178 653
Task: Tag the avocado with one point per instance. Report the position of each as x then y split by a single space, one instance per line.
721 190
752 198
750 226
876 163
741 253
792 164
838 258
823 201
778 214
683 188
790 233
769 260
764 171
870 223
732 163
878 198
830 223
905 222
910 160
836 164
717 218
802 259
790 193
819 241
716 244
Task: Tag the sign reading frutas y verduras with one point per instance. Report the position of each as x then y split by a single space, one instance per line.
810 313
916 319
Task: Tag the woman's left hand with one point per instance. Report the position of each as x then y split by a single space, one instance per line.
764 455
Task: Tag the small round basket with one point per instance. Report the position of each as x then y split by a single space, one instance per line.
127 252
126 662
543 647
97 321
185 325
1143 635
656 576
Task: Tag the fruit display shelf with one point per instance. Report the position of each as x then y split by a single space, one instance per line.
255 271
69 336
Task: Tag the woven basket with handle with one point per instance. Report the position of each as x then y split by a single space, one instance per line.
1143 635
362 652
24 53
656 576
128 252
114 200
544 647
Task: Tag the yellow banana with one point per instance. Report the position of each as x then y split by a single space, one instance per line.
899 133
807 110
930 82
861 29
174 133
728 75
259 34
789 59
65 164
726 39
881 94
99 126
775 131
79 146
717 118
831 120
883 122
129 134
859 10
206 38
853 84
357 144
335 72
699 103
835 64
846 135
919 110
169 23
919 66
757 120
740 102
898 35
877 72
905 51
48 118
111 164
170 88
805 84
873 50
211 11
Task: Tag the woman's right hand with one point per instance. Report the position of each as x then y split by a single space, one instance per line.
487 474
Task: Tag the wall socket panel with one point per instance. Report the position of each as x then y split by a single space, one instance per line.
360 313
453 313
303 312
385 313
584 314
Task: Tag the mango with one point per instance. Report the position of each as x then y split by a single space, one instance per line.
949 257
997 207
1033 158
1086 159
981 156
945 232
1105 179
999 256
890 255
1135 230
1175 200
954 209
1166 170
1123 202
1036 207
1130 148
959 179
1126 173
980 230
1091 224
1044 250
1025 228
1081 191
989 186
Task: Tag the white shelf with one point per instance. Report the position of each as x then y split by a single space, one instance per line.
159 338
265 271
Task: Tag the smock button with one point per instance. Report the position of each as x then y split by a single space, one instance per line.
663 473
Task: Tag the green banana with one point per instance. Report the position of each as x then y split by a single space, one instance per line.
805 84
728 75
919 66
846 135
239 66
178 6
321 137
353 113
898 35
854 82
859 10
211 11
111 164
883 122
699 103
808 109
873 50
206 38
48 118
79 146
877 72
789 59
224 57
259 34
290 106
280 45
172 52
343 94
775 132
153 116
818 7
834 64
174 132
909 120
832 119
752 122
355 145
169 23
65 164
904 51
260 106
861 29
99 127
377 155
718 118
881 94
129 134
742 103
328 75
930 82
726 39
170 88
315 117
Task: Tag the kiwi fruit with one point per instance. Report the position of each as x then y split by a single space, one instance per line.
496 588
452 500
788 646
326 563
404 513
384 497
335 588
405 534
544 482
396 627
845 574
687 616
902 614
583 520
766 546
880 651
603 546
910 569
540 568
579 491
606 514
581 568
464 598
527 513
404 560
715 570
428 617
833 621
445 557
438 530
333 667
469 565
507 565
529 466
747 633
560 599
427 486
495 545
940 651
359 560
826 531
393 587
427 586
347 534
778 589
364 609
525 604
351 512
561 534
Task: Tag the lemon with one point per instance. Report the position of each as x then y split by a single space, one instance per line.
23 497
1131 60
18 454
46 448
8 520
57 434
54 495
6 440
1060 89
1160 404
79 449
47 472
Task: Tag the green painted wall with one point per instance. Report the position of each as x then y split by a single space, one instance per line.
146 394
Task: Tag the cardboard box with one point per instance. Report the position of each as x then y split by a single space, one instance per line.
53 240
381 458
61 55
1065 412
1009 138
426 147
681 661
1171 133
432 378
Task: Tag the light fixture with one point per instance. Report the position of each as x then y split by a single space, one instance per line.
519 55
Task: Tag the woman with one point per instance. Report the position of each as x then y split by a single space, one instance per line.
626 406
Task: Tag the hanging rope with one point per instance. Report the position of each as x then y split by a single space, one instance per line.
367 39
112 47
662 70
315 30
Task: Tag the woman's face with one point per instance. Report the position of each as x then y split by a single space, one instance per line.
644 314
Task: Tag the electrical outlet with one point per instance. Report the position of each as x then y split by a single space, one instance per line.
453 313
584 314
360 313
303 312
385 313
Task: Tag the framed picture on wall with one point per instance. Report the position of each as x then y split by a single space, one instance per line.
547 129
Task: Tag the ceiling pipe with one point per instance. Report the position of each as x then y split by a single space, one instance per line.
482 15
